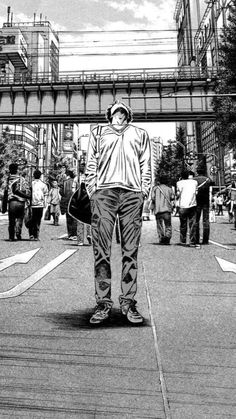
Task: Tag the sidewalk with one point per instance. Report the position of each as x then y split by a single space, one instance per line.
193 306
178 365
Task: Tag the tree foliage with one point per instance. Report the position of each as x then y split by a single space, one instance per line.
9 153
59 164
225 106
172 160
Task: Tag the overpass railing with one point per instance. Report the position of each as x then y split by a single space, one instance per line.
98 76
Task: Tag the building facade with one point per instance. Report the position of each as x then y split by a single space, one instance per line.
199 24
29 49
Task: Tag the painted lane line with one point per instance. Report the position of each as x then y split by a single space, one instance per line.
222 245
226 266
20 258
35 277
157 351
215 243
63 236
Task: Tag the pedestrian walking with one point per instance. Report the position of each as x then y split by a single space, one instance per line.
38 203
203 206
212 216
162 199
54 198
146 210
18 193
118 178
83 230
233 201
70 184
219 202
186 193
228 206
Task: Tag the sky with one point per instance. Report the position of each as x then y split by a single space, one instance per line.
107 34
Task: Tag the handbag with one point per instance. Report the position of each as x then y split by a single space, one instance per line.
5 200
28 216
79 205
47 215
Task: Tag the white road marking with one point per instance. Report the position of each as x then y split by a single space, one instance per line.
215 243
158 355
63 236
35 277
19 258
222 245
226 266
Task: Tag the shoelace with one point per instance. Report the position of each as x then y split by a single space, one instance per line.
102 307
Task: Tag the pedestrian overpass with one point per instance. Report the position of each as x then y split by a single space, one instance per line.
155 95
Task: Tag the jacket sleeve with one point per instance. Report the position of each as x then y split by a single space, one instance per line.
145 164
91 167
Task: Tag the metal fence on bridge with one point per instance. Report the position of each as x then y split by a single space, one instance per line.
98 76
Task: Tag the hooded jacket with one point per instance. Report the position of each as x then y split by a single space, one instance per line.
119 159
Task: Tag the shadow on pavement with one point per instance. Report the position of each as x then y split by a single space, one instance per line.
80 320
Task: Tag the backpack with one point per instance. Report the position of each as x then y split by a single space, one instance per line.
18 189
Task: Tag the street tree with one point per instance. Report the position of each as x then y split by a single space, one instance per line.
9 153
172 160
59 164
225 106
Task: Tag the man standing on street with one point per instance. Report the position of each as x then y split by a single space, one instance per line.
118 178
18 193
203 205
186 193
38 203
66 191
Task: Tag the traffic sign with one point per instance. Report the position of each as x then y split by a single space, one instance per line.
213 170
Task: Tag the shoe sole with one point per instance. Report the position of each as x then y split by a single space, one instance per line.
132 321
99 322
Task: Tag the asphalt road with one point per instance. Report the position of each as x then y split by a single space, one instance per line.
179 365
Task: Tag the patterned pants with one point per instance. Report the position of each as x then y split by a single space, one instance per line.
106 205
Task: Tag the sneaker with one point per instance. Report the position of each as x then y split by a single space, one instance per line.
31 238
80 244
131 313
196 246
74 238
102 313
